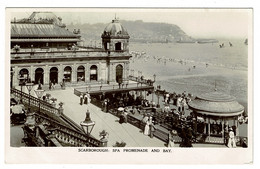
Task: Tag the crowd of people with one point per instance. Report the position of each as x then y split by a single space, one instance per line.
136 55
175 119
84 98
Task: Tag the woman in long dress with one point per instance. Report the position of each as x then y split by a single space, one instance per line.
146 129
170 139
231 140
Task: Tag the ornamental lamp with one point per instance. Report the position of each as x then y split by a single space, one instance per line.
87 125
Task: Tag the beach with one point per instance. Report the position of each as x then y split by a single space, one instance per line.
225 70
179 70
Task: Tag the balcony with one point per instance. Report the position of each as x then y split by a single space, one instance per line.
50 53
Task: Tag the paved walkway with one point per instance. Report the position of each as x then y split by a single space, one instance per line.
104 121
131 135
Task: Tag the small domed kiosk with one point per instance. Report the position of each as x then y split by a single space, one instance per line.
216 111
115 37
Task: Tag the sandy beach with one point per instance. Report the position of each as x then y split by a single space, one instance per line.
178 77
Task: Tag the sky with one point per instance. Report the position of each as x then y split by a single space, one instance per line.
198 23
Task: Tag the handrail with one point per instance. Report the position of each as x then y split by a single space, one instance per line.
108 89
140 80
89 141
75 132
35 101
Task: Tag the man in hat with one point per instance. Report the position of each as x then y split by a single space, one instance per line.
152 129
231 140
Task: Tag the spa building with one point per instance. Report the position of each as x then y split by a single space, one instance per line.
43 50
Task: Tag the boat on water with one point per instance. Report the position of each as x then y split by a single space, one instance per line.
202 41
186 40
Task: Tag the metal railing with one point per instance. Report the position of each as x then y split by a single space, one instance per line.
73 134
99 89
140 80
35 101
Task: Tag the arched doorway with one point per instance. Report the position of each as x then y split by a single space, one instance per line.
118 46
93 72
24 73
67 74
119 73
54 75
81 74
39 76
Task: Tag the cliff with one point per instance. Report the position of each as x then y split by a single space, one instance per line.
139 31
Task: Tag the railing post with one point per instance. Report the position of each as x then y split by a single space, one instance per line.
103 142
61 110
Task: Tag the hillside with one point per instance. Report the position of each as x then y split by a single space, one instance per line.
139 31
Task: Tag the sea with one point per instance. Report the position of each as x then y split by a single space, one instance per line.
195 68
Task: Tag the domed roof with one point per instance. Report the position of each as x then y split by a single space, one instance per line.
115 29
216 104
43 17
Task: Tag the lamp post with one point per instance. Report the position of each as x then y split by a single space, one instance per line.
29 88
21 83
87 125
39 92
158 95
11 80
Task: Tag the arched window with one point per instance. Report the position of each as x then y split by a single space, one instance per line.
54 75
39 76
93 72
118 46
67 74
24 73
119 73
81 74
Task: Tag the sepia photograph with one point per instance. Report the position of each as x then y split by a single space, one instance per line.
130 80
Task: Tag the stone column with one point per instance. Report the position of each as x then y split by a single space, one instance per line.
209 126
112 73
124 70
236 124
46 75
32 73
127 70
74 73
111 46
87 72
205 126
60 73
99 69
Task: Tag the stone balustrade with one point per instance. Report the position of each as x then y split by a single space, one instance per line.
67 54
